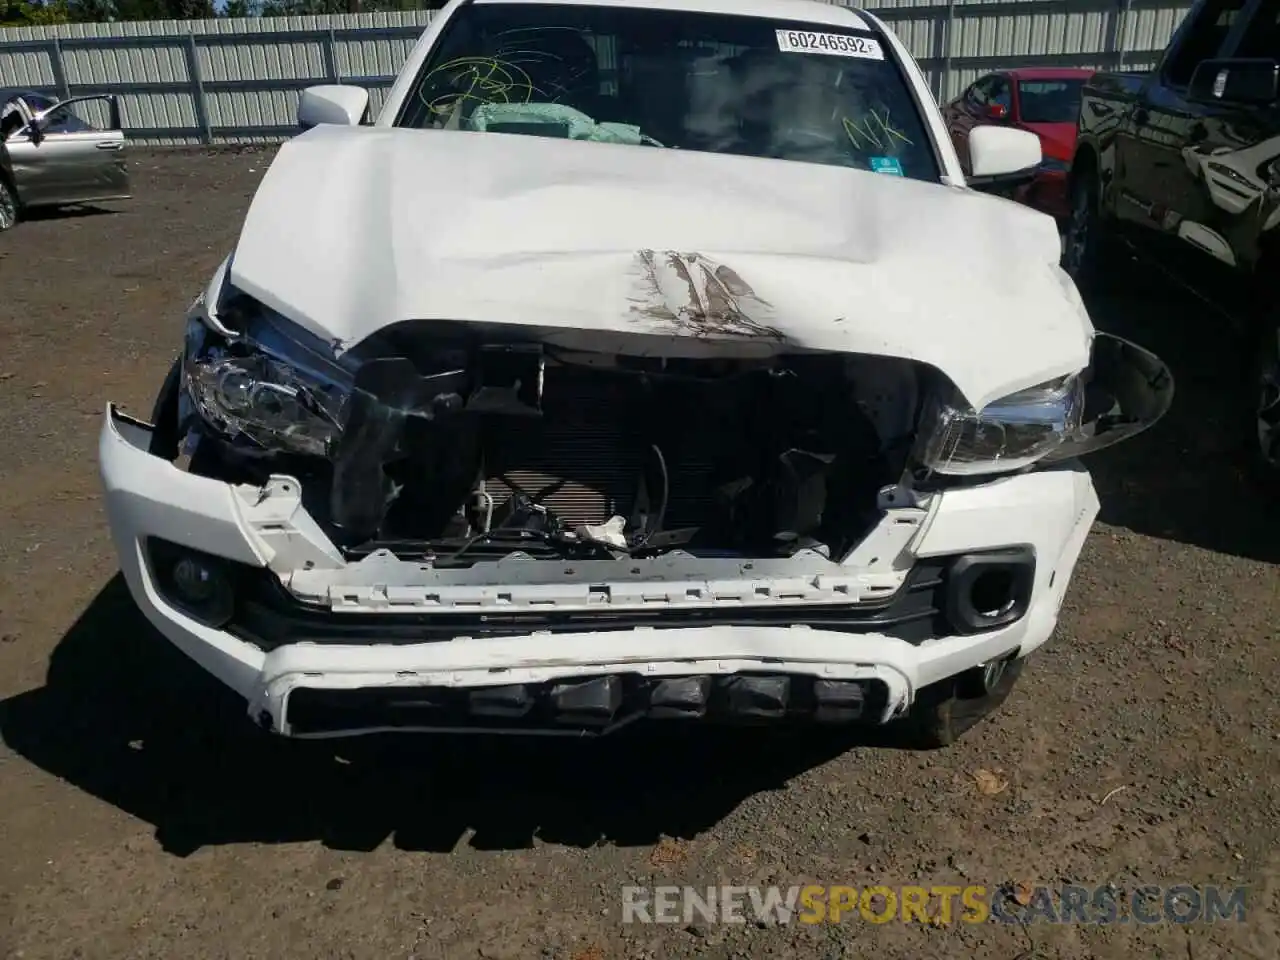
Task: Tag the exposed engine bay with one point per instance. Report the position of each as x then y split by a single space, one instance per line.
467 453
755 462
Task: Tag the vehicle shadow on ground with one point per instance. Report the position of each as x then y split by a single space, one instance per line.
1189 478
66 213
126 717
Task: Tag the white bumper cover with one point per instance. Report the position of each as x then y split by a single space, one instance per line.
1050 511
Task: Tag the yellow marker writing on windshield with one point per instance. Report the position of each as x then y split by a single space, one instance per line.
480 79
867 131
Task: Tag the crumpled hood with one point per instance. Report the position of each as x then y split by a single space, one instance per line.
651 250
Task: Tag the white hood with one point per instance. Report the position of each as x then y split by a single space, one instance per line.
660 251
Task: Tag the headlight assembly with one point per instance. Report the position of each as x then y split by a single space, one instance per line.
1010 434
1050 165
272 382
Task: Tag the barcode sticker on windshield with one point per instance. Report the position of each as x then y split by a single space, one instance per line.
836 44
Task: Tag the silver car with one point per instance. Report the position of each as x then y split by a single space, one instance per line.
50 155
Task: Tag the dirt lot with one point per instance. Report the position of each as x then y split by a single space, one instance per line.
142 819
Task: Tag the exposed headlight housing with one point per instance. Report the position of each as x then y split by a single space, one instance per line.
1050 165
251 373
1008 435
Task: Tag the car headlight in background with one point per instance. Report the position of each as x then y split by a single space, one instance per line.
273 382
1050 165
1010 434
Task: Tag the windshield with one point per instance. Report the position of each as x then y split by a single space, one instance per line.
1050 101
674 79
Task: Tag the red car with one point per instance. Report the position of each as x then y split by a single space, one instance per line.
1044 100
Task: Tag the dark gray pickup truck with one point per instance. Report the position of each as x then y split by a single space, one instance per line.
1181 166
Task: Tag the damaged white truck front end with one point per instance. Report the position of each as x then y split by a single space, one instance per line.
529 434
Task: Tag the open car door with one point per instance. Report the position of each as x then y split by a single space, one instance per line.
72 152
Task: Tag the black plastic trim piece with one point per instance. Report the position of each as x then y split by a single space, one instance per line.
268 616
614 701
1018 563
934 601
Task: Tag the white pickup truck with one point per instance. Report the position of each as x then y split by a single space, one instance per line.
641 359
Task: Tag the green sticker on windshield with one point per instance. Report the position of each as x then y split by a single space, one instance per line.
889 165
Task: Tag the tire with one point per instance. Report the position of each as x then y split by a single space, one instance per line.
8 205
1264 395
946 711
1089 254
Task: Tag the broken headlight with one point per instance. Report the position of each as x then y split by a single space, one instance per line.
270 381
1009 434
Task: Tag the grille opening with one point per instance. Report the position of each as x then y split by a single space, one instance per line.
724 459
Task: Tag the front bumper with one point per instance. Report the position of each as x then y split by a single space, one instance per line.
716 619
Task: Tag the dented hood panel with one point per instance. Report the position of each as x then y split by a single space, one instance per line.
658 251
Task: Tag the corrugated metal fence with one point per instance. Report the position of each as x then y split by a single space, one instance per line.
194 81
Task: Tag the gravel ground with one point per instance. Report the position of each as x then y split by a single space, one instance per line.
141 818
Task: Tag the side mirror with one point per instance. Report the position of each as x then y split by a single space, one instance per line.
1236 81
1002 157
40 122
338 104
997 111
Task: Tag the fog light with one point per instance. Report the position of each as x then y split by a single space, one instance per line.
195 583
203 591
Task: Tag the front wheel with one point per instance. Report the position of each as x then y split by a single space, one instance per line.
1265 400
1087 247
8 205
